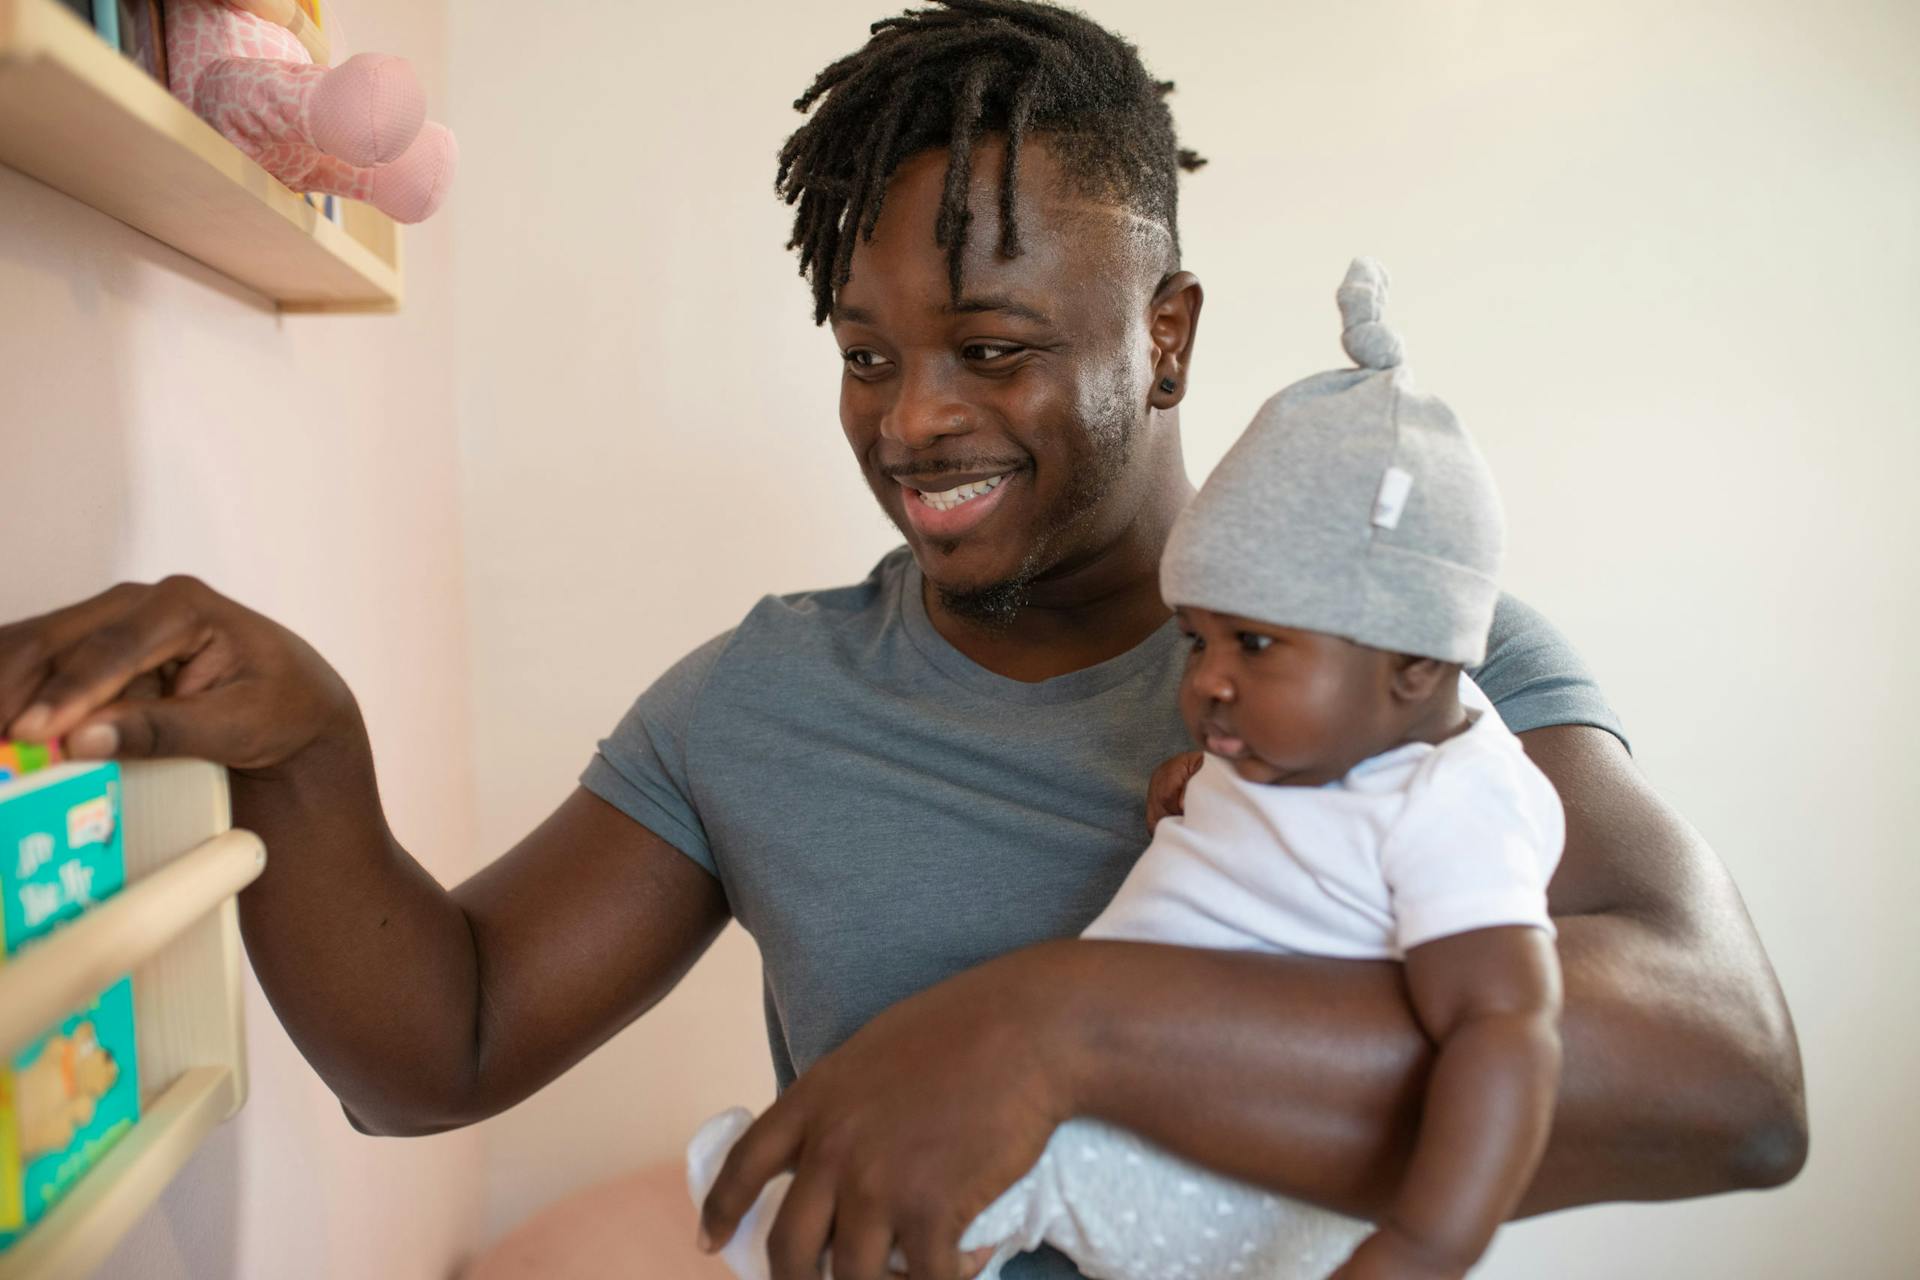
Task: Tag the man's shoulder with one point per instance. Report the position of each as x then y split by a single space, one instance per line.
874 595
1535 677
791 643
804 618
803 628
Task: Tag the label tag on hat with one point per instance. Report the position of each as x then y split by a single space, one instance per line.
1394 488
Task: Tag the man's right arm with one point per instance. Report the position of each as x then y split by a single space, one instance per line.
422 1009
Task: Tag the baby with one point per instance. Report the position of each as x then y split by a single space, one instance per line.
1358 797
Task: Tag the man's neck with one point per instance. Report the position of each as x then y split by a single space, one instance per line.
1085 613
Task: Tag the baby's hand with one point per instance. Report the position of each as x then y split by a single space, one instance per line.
1167 791
1388 1255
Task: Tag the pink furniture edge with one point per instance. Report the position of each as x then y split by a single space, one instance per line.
639 1226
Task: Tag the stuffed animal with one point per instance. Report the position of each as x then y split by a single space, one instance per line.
358 130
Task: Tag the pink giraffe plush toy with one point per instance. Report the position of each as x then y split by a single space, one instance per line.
357 130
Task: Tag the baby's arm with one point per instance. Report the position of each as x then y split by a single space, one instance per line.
1490 999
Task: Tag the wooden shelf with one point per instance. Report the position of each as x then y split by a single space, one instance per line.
78 961
85 120
175 926
78 1233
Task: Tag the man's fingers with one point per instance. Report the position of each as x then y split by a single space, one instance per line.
933 1251
99 666
799 1236
28 648
769 1146
151 728
862 1240
972 1264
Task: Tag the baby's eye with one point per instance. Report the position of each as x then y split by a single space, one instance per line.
1253 642
1194 641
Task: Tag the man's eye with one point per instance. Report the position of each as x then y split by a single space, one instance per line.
1253 642
988 350
861 358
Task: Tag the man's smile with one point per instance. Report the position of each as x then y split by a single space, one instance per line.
960 503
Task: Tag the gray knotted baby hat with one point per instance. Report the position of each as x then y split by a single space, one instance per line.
1353 505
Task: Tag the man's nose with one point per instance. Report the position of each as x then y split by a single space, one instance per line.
925 411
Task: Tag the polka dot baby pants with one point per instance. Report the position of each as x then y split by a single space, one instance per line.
1119 1206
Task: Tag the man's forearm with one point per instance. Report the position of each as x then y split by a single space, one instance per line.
1307 1075
368 962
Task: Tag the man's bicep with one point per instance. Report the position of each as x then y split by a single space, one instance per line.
1628 852
579 929
1681 1061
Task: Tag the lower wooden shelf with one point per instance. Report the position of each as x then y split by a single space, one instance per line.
83 119
175 927
78 1234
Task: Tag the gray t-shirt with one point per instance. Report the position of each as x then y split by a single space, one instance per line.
883 812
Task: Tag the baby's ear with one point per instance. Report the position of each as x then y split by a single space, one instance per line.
1415 679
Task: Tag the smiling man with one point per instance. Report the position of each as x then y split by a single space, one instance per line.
915 790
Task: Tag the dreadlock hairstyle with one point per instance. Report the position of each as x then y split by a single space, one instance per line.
942 77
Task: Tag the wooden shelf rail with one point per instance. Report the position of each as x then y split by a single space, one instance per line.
175 928
82 958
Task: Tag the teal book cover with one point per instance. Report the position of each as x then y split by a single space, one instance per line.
69 1095
106 20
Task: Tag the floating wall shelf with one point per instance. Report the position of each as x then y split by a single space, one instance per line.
82 118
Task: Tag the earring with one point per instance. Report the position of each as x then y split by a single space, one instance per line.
1168 384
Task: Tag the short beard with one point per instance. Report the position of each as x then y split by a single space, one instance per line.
1114 429
992 608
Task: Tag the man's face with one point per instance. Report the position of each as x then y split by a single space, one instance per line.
1000 434
1282 706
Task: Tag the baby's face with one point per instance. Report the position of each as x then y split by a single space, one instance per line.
1284 707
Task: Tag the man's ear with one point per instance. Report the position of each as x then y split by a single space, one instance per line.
1173 320
1415 679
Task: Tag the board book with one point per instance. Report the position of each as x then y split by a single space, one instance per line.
69 1095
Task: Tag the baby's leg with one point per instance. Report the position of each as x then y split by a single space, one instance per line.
1120 1207
1123 1209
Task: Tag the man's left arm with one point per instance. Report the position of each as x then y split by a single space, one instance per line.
1681 1073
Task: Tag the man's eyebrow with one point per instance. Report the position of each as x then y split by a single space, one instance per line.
966 306
1000 303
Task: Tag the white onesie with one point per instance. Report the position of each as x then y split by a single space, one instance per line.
1417 843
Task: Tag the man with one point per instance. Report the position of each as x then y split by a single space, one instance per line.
913 790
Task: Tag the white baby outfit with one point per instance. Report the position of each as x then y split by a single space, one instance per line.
1415 844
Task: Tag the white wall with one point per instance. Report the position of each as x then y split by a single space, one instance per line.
154 418
1661 258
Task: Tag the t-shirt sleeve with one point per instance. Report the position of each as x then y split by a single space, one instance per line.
641 768
1535 678
1473 849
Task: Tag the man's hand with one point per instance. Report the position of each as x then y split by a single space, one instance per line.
172 669
901 1136
1167 790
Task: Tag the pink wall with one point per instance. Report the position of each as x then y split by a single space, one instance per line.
154 418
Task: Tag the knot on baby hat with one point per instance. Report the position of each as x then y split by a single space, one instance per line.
1353 504
1362 297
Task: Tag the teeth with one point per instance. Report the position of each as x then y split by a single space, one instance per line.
951 498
